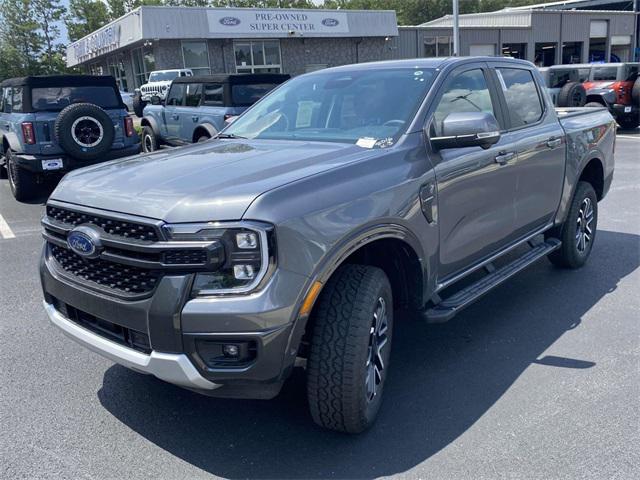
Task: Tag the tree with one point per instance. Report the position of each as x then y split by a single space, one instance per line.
84 17
20 37
47 14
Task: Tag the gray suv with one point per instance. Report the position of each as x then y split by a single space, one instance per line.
340 197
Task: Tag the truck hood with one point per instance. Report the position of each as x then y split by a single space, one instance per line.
216 180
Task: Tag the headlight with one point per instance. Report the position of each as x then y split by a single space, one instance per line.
164 87
248 254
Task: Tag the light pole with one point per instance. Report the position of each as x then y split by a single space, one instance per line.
456 30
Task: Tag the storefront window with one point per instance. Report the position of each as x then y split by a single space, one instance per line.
437 46
572 52
258 56
96 69
545 54
143 64
196 57
116 69
515 50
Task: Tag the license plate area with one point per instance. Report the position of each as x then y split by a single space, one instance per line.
52 164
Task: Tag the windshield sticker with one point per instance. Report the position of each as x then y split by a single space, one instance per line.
366 142
384 142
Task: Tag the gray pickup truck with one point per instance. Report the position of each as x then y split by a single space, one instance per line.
337 199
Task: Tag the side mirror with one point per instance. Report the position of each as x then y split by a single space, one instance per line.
155 100
467 129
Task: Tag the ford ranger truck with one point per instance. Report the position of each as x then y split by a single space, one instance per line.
338 199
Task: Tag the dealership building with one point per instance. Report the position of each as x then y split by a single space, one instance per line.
232 40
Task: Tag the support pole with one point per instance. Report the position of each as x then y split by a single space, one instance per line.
456 30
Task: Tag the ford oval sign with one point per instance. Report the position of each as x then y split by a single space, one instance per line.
330 22
85 241
229 21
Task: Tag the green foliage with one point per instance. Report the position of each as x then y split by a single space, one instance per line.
84 17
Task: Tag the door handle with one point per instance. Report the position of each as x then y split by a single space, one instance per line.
175 117
554 142
195 119
503 157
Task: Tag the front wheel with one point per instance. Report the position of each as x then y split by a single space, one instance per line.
629 123
149 140
578 232
350 346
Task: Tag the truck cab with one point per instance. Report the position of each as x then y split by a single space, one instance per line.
197 108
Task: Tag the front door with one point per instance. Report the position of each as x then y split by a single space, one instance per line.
190 113
171 111
476 187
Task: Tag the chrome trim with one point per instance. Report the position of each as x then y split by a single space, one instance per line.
459 276
174 368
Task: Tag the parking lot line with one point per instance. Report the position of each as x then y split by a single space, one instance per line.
5 229
632 137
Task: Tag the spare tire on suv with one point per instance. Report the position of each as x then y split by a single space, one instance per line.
635 92
84 131
573 94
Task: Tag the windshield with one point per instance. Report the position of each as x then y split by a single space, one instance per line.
163 76
57 98
368 106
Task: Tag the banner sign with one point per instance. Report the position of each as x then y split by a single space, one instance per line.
102 40
277 23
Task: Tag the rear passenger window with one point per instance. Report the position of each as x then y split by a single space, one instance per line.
467 92
193 95
605 73
521 93
17 99
213 95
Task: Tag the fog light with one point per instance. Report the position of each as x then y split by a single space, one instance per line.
247 240
244 272
231 350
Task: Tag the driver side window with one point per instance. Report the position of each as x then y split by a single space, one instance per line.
466 92
176 94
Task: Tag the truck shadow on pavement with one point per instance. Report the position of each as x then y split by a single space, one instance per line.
443 379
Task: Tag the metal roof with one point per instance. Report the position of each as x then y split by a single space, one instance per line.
569 4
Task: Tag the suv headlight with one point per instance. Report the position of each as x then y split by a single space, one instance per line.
248 254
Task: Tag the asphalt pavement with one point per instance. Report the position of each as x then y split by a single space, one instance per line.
538 380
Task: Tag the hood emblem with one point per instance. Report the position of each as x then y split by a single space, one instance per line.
85 241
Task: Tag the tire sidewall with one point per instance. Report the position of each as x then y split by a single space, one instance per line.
149 134
65 123
574 257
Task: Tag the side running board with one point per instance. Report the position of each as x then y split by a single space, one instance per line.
447 308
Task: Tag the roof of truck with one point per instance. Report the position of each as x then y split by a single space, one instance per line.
236 78
60 80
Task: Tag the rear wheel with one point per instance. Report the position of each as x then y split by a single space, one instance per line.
578 232
594 105
350 346
22 182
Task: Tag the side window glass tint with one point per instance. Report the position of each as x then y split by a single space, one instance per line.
176 94
213 95
521 94
16 104
7 100
193 95
466 92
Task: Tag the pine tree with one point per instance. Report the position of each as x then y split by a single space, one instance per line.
47 14
20 37
84 17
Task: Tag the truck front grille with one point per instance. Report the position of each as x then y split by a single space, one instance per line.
114 227
132 257
108 275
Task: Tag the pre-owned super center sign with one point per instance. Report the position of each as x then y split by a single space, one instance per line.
277 23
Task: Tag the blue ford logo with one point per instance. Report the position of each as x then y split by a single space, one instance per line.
84 241
229 21
330 22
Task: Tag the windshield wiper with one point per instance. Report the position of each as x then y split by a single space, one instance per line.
228 135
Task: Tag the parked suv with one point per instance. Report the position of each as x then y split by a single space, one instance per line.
158 85
197 108
564 84
52 124
616 86
292 239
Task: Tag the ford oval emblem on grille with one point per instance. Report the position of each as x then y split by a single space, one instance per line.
330 22
85 241
229 21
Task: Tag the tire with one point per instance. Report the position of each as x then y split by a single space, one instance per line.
202 138
22 183
138 106
149 140
629 123
572 94
84 130
339 360
594 105
573 253
635 92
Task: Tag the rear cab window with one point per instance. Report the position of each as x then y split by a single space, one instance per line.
605 73
57 98
522 96
244 95
213 95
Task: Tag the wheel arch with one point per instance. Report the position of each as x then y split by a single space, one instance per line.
593 173
204 128
152 123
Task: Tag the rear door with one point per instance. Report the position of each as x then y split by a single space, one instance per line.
476 187
540 146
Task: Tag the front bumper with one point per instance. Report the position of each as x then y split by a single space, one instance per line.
33 163
175 323
171 367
